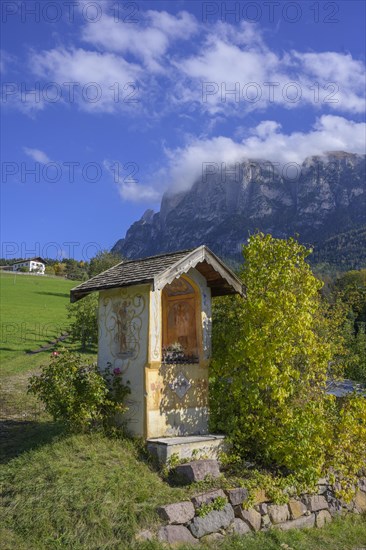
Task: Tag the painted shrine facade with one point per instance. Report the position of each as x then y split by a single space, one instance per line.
155 331
160 342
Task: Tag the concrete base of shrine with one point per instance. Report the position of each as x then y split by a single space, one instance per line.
189 446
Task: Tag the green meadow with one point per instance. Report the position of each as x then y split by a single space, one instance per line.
88 491
33 313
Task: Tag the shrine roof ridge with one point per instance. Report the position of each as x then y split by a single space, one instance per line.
160 270
162 254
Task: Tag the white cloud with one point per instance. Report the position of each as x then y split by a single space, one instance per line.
334 67
22 96
148 41
239 59
95 81
37 155
221 57
129 187
6 60
342 78
28 102
267 142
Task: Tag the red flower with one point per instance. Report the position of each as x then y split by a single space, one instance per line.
117 371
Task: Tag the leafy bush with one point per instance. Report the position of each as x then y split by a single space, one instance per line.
350 287
49 270
270 366
355 360
103 261
76 393
278 488
83 327
349 292
347 442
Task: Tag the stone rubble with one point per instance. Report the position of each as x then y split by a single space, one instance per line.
239 527
207 498
262 508
266 522
322 518
251 517
278 513
296 508
360 500
237 496
176 534
315 502
178 513
186 525
198 470
212 522
300 523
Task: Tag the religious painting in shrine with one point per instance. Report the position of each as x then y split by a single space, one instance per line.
180 343
123 324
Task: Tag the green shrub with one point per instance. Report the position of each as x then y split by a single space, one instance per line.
355 361
270 366
83 326
76 394
102 261
346 452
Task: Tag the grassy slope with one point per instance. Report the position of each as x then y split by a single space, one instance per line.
87 491
33 313
91 492
80 492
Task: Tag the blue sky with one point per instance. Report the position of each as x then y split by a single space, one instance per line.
107 105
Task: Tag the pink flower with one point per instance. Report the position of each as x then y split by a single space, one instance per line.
117 371
55 354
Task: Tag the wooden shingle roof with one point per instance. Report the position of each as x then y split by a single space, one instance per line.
161 270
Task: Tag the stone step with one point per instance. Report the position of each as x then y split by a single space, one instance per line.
187 447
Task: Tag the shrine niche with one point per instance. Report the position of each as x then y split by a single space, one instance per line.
155 331
180 311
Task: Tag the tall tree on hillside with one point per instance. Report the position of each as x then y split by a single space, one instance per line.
350 287
349 291
102 261
272 356
60 269
270 366
75 270
84 313
83 317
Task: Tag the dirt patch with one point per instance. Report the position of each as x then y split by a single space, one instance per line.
15 402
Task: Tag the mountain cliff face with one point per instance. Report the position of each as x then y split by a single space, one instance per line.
322 198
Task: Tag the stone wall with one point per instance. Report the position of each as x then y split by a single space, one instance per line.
184 523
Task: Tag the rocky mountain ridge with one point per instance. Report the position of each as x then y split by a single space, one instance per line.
323 197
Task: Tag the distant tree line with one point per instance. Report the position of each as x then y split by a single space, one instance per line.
345 300
76 270
341 252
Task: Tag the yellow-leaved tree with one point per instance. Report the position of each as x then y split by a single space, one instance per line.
270 365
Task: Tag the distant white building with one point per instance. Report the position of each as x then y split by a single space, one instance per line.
33 265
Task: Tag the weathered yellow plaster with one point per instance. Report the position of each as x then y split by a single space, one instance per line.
165 399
